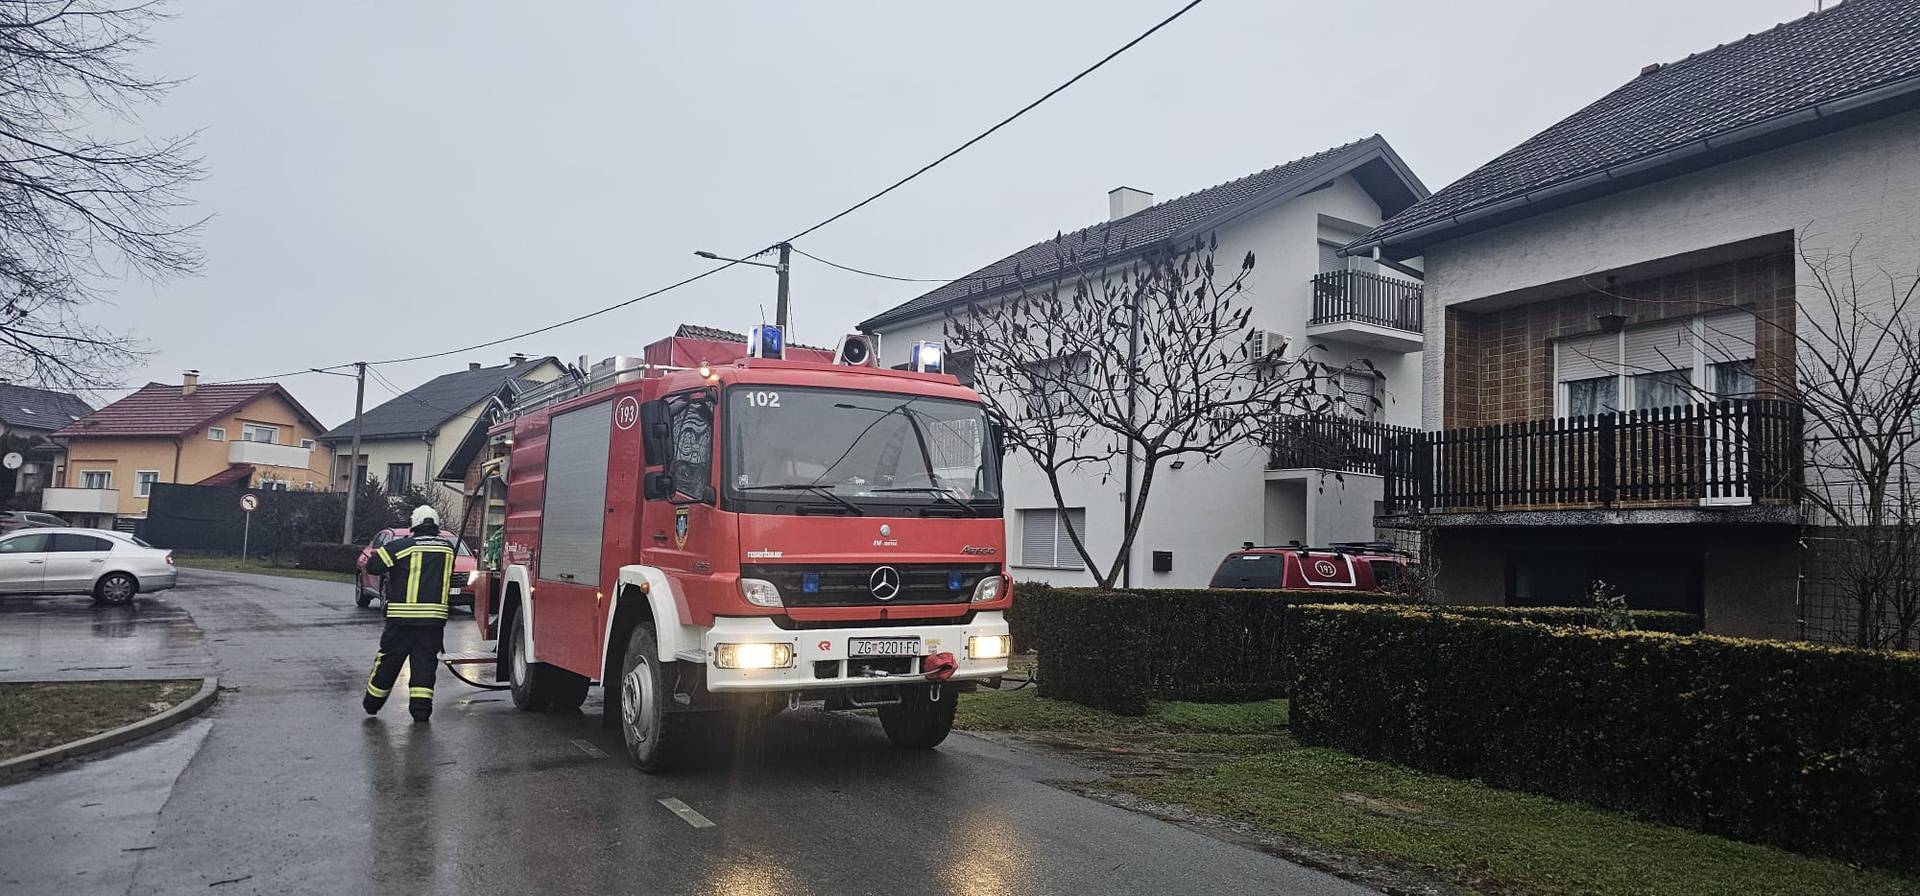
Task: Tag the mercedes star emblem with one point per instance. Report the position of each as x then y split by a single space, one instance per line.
885 583
885 530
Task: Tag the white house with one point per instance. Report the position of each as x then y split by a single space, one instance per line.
1294 218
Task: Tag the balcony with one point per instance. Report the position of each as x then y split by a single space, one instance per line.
1323 442
267 454
80 500
1744 453
1367 309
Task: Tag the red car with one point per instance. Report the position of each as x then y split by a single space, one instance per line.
1342 566
367 587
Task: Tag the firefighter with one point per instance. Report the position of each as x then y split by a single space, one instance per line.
419 577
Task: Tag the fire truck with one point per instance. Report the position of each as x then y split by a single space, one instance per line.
747 536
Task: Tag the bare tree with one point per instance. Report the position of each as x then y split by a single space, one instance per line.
77 208
1139 363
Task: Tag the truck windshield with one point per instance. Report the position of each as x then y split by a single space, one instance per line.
855 451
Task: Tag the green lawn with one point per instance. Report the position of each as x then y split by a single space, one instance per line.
1460 832
224 563
38 715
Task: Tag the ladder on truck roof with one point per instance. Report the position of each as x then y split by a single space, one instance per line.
617 369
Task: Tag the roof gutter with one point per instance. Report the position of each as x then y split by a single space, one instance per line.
1645 164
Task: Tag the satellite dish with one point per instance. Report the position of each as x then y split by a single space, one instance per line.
13 460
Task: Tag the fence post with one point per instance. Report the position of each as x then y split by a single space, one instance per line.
1609 453
1423 469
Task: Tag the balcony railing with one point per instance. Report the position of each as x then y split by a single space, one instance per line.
1366 298
1725 453
1323 442
80 500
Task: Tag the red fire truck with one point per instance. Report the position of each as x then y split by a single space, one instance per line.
748 536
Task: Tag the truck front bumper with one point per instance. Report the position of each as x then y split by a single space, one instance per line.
820 655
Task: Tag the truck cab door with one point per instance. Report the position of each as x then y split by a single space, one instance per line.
680 525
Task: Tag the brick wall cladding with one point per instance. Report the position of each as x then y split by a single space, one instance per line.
1499 364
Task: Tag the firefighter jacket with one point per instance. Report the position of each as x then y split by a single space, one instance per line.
419 576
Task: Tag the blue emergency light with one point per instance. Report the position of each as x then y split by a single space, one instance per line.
810 582
926 357
767 342
953 581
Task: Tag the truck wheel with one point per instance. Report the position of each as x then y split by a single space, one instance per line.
650 731
918 722
524 684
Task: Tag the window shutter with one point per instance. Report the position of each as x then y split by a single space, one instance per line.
1663 346
1036 537
1727 336
1065 556
1586 357
1357 391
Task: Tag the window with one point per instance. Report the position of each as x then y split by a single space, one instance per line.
1058 386
1661 364
255 432
273 485
1045 543
24 544
143 481
1360 394
399 477
74 543
216 433
1595 395
1662 389
1733 379
307 444
96 479
690 446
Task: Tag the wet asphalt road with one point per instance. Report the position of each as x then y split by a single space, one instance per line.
285 786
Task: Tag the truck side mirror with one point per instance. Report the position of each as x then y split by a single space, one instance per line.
653 432
657 486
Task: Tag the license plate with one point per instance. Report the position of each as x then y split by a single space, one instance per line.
871 647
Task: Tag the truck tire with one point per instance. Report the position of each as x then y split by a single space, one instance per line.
524 684
652 734
918 721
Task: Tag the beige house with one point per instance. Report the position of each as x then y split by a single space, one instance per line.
244 434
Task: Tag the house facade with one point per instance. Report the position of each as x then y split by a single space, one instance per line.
407 440
242 434
28 419
1620 307
1326 487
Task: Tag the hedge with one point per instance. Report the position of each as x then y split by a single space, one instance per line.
1815 749
327 556
1116 650
1672 622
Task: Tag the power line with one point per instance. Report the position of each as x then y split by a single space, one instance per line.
854 270
1023 110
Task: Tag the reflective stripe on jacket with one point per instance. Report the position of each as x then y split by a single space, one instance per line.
419 581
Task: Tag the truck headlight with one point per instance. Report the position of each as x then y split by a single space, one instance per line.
987 590
760 592
989 647
753 656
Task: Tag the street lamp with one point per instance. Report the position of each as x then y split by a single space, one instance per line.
780 304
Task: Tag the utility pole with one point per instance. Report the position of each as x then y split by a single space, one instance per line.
780 307
353 461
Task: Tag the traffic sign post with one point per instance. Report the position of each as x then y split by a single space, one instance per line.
249 502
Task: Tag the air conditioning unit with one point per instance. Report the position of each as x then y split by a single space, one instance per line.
1267 345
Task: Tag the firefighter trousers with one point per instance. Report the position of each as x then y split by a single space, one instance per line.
417 646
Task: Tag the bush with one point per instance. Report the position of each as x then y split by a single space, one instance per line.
328 556
1115 650
1815 749
1669 621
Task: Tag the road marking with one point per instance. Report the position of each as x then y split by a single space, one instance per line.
589 749
686 813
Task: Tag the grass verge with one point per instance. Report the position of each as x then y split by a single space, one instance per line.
1373 813
224 563
38 715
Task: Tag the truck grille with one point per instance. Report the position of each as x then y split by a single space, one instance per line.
851 585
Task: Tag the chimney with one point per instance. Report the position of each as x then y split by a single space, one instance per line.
473 365
189 383
516 358
1124 201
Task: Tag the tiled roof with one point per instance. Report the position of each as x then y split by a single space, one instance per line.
29 408
157 410
422 409
715 334
235 474
1825 57
1150 226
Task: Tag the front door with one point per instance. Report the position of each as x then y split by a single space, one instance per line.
23 562
74 561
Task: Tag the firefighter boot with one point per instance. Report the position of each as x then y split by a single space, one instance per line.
372 704
420 703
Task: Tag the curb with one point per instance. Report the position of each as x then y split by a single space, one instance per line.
19 768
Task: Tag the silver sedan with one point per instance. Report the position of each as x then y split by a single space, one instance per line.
111 566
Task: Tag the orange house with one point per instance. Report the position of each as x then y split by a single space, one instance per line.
243 434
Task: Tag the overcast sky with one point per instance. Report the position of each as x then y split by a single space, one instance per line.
386 179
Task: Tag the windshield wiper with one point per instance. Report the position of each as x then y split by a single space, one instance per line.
806 487
942 492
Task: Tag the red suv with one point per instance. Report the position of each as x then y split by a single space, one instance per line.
367 585
1341 566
